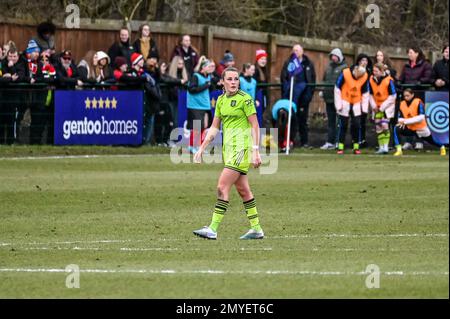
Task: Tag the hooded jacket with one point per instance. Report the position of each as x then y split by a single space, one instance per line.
332 73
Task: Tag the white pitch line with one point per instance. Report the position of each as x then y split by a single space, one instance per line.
118 241
57 157
360 235
229 272
169 249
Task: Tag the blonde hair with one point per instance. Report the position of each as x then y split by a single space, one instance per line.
173 68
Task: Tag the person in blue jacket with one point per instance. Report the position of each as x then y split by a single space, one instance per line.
280 114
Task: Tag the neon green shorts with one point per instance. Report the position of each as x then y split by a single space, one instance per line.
238 160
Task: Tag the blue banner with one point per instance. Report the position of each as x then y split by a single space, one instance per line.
294 67
437 115
98 117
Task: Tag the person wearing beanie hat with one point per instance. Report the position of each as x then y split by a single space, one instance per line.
120 61
136 58
260 54
335 66
227 61
103 71
32 55
262 76
32 47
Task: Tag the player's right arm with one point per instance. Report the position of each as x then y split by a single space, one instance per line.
212 132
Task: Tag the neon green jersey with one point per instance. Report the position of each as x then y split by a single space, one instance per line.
234 111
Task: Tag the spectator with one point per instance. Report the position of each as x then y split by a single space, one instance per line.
165 121
227 61
45 37
189 54
262 77
302 94
14 71
382 101
103 71
178 71
66 71
123 47
280 114
336 65
198 103
87 66
440 72
32 54
381 57
42 112
2 57
416 71
411 122
247 82
8 45
216 80
153 95
120 72
351 96
145 44
33 98
364 61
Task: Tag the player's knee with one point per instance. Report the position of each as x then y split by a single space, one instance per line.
222 191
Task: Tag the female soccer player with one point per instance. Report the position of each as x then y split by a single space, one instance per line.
236 110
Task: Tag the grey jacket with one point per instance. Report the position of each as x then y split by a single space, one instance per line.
332 73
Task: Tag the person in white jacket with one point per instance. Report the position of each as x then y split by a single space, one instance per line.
351 99
382 102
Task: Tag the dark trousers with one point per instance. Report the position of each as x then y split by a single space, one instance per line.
355 122
41 117
302 121
332 125
399 132
363 120
7 119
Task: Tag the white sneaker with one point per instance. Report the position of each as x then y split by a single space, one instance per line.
253 234
419 146
407 146
206 232
328 146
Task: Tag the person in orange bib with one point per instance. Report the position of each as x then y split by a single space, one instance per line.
411 122
382 103
351 98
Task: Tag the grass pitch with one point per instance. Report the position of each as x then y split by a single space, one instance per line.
127 222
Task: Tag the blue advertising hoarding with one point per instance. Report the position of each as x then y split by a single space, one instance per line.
437 115
98 117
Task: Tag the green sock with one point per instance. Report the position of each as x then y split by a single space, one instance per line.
219 210
356 146
252 214
341 146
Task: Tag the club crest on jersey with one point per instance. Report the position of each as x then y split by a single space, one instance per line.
233 103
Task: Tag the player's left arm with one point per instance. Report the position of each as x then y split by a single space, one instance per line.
256 157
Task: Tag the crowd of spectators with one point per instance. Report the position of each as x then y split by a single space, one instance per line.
138 64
